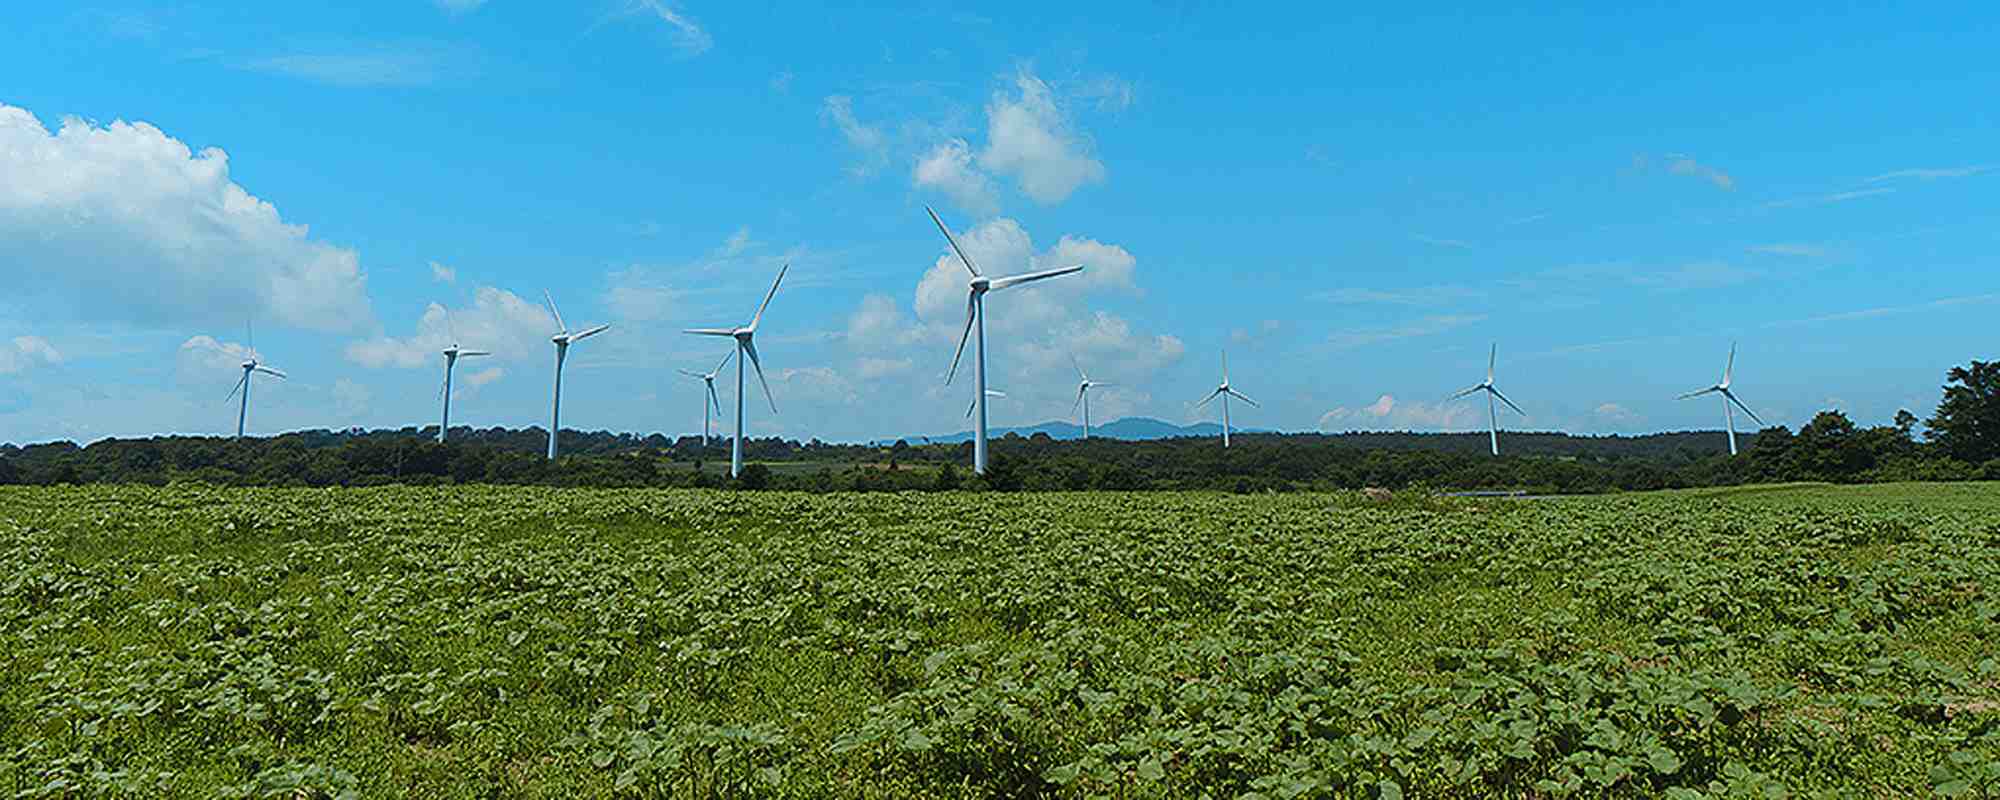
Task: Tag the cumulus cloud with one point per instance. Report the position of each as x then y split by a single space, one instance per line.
1613 412
125 223
867 141
948 169
688 36
485 376
1030 139
26 352
1388 413
1003 247
443 274
498 320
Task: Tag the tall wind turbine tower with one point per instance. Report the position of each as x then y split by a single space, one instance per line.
746 342
250 365
975 317
451 356
1225 393
562 339
708 379
1083 387
1728 397
1492 413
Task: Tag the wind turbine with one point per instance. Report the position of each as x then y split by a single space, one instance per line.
975 403
708 378
1728 397
1083 387
746 342
250 365
1492 414
1225 393
562 339
975 315
451 356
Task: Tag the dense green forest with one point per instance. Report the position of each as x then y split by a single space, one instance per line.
1961 441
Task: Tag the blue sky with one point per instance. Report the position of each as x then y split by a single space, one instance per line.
1354 205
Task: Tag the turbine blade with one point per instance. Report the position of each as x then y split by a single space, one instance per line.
449 326
560 325
1492 356
767 297
1079 399
1079 368
1510 403
1746 409
995 393
712 400
963 337
1015 280
589 333
1466 392
1239 395
962 259
1210 398
473 353
711 331
750 350
237 388
725 360
1225 366
690 374
268 371
1708 390
1730 368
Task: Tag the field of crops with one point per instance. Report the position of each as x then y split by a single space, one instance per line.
522 642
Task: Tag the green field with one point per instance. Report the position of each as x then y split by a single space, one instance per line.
527 642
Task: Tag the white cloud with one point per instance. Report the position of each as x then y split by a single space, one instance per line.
1686 165
1827 199
872 368
1931 174
498 320
1427 326
1030 139
485 376
1614 412
867 141
948 168
1387 413
370 64
1003 247
443 274
689 38
125 223
26 352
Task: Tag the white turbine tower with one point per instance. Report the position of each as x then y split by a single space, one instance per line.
1492 413
451 356
746 342
1728 397
1083 387
562 339
708 379
1225 393
975 316
250 365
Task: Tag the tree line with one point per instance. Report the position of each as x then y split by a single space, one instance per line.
1961 441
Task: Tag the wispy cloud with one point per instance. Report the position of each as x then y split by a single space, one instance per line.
1887 311
399 64
866 140
1427 326
1439 295
1825 199
1679 164
689 37
443 273
1458 244
1790 249
1931 174
1696 275
1524 220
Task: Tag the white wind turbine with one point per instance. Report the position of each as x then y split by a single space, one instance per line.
562 339
1492 413
250 365
708 379
451 356
746 342
1083 387
969 408
1225 393
1728 397
975 316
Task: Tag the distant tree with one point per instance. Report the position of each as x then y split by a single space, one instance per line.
1967 423
7 472
947 478
1906 423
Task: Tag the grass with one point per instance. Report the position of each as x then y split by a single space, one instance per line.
523 642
